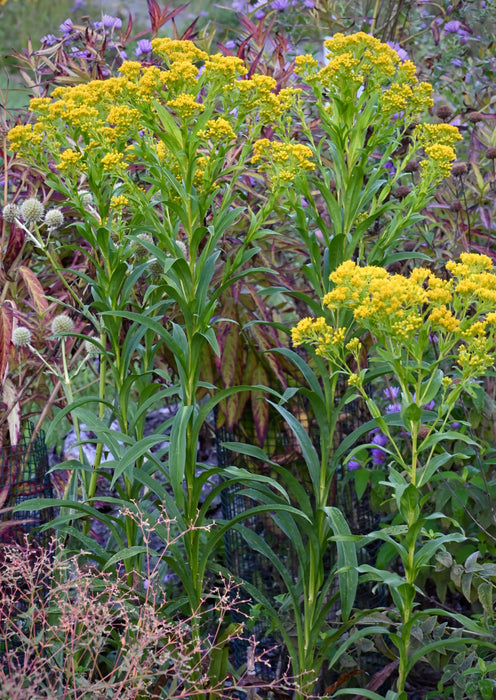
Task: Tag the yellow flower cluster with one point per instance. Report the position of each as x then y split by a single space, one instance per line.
217 130
283 161
227 68
185 106
395 308
327 339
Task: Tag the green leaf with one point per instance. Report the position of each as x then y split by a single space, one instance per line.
129 553
412 413
308 450
346 561
485 595
177 451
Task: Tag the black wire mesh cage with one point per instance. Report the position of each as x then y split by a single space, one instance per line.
24 475
282 446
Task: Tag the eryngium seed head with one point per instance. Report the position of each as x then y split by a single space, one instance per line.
62 324
21 337
491 153
141 250
11 212
91 349
54 218
32 210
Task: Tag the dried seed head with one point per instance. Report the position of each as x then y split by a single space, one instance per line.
11 212
54 218
32 210
459 169
62 324
401 192
456 206
444 112
21 337
491 153
475 117
412 166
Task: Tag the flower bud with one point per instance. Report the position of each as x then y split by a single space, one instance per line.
31 210
62 324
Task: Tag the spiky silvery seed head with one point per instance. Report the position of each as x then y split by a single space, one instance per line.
21 337
155 268
182 247
91 349
143 238
62 324
54 218
86 198
32 210
11 212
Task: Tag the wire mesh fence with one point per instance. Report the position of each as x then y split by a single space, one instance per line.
24 474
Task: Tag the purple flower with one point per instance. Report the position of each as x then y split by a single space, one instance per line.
49 39
391 392
455 425
144 46
279 4
457 62
230 44
309 3
380 439
78 4
452 26
429 406
393 408
111 22
146 583
353 464
67 26
378 456
402 54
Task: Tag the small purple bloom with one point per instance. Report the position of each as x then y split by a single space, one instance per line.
391 392
402 54
230 44
146 583
353 464
49 39
168 578
78 4
452 26
279 4
67 26
455 425
110 22
429 406
457 62
378 456
393 408
309 3
380 439
144 46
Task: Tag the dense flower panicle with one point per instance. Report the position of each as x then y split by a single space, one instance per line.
283 161
395 308
217 129
186 106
